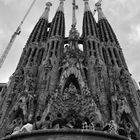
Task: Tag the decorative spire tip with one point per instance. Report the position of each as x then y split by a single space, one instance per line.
45 15
98 4
99 9
87 8
48 4
60 8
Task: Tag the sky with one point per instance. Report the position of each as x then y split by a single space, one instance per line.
123 15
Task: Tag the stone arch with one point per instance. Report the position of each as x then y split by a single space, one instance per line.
72 79
77 74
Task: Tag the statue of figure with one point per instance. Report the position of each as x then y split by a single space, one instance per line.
18 78
59 122
91 126
122 129
53 95
27 128
56 93
111 127
16 130
84 125
86 91
46 123
114 72
17 123
66 48
29 82
99 65
92 61
123 106
47 66
18 75
72 89
66 94
124 75
23 105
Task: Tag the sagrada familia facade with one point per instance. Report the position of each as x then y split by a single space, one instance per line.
56 83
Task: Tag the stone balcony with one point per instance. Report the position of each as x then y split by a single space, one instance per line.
64 135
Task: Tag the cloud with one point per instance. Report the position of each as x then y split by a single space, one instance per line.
2 37
6 2
2 34
123 16
134 35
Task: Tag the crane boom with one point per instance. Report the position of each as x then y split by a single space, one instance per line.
13 37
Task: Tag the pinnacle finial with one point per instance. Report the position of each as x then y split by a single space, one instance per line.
87 8
61 8
48 4
99 9
45 15
98 4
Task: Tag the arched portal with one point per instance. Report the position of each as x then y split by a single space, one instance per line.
72 80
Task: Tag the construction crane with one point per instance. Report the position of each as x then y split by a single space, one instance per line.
13 37
96 6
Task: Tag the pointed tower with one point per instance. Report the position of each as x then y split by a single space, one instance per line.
122 88
72 102
22 86
38 39
49 73
61 92
112 53
55 43
95 65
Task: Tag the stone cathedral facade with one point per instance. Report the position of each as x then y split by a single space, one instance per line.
58 83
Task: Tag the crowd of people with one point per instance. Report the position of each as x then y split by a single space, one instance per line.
64 123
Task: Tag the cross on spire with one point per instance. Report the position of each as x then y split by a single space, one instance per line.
74 20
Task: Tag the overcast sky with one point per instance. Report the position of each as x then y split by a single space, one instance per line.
123 15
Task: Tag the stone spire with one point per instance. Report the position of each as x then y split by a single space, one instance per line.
89 23
107 36
74 20
45 15
58 22
74 34
39 32
105 30
61 6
